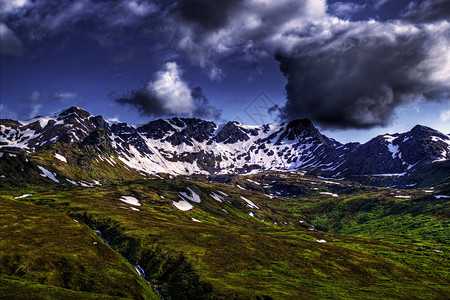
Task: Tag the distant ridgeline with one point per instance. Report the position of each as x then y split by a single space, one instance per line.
73 142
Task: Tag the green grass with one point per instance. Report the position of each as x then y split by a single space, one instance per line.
233 255
15 288
421 219
44 246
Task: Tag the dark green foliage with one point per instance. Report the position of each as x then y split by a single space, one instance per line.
170 270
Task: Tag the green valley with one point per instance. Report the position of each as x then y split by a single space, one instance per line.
338 240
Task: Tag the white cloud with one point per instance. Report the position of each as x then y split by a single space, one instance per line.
445 116
171 91
345 9
379 3
169 95
113 120
9 6
141 8
70 14
64 96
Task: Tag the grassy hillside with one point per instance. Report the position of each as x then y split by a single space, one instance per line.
15 288
371 244
42 249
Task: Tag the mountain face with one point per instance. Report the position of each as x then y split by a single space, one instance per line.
193 146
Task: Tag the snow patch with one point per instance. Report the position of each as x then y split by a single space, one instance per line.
388 174
321 241
393 149
223 194
60 157
183 205
402 197
194 198
130 200
252 181
48 174
249 203
329 194
389 138
43 121
23 196
216 197
196 220
86 184
441 196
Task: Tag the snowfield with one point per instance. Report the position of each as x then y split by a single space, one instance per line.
183 205
48 174
130 200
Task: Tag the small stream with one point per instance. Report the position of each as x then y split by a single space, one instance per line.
138 268
142 273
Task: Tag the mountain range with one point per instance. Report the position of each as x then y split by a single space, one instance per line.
185 146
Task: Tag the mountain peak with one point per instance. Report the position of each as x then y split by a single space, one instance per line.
421 128
300 128
74 110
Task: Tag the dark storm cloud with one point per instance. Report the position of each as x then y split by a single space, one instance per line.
143 101
203 109
167 94
362 78
427 11
340 73
149 104
207 31
9 42
206 14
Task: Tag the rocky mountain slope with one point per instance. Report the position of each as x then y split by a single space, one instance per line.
183 146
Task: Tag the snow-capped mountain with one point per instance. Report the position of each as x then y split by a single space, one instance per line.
188 145
398 153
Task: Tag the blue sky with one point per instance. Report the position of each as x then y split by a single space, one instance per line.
355 68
